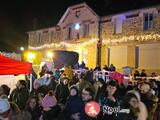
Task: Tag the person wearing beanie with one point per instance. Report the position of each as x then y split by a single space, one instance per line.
20 94
49 101
50 107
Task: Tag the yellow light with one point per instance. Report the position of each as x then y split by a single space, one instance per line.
50 54
31 56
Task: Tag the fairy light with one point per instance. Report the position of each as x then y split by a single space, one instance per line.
131 38
63 44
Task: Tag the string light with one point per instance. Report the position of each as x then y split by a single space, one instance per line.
63 44
131 38
140 38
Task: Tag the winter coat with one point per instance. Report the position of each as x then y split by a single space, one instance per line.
74 105
35 113
61 93
20 97
151 104
105 114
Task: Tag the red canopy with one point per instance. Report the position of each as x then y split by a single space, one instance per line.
9 66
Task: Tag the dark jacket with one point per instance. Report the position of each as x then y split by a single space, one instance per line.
105 114
61 93
74 105
51 114
35 113
20 97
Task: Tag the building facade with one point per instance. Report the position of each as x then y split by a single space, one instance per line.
126 39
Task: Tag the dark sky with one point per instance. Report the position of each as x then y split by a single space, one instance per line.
16 16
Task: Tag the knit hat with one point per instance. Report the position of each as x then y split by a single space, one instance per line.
4 105
49 100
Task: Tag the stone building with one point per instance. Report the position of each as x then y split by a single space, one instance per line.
126 39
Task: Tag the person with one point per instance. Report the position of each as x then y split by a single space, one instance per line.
4 91
20 94
38 89
112 67
32 108
136 74
74 105
83 65
97 68
81 84
50 107
143 73
68 72
105 68
153 74
10 111
108 101
4 109
101 88
149 99
43 70
87 95
62 91
76 66
137 109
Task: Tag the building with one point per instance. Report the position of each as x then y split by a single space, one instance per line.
126 39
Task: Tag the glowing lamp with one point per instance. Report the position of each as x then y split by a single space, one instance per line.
22 48
50 54
77 26
31 56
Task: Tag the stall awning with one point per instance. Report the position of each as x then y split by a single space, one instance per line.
9 66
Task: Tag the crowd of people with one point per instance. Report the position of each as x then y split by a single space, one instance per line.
60 95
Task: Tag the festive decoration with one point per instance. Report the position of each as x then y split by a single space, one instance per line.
111 40
92 109
132 38
63 44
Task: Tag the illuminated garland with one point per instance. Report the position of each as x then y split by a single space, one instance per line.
63 44
132 38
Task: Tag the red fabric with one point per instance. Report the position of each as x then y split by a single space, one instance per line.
9 66
116 76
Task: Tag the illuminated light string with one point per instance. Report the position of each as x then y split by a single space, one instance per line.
132 38
105 41
63 44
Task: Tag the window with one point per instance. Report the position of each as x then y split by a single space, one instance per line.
69 33
39 37
148 21
118 25
86 30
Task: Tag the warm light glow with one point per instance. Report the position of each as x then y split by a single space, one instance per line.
22 48
50 54
64 44
31 56
77 26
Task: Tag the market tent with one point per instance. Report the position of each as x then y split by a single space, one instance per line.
9 66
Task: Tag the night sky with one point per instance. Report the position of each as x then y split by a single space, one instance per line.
17 16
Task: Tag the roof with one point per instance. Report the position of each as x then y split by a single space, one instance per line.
107 7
